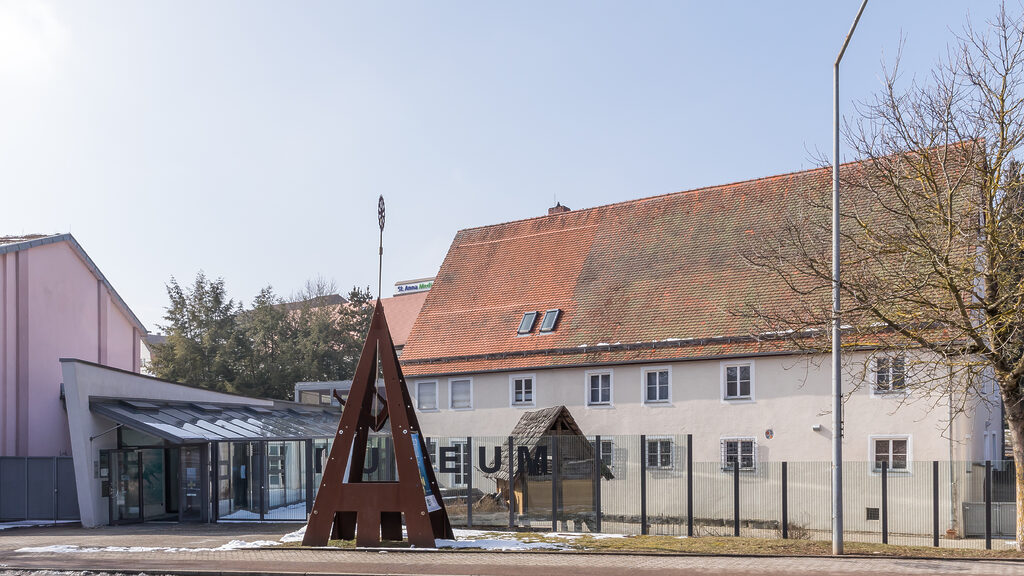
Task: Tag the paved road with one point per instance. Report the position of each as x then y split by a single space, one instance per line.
337 561
489 563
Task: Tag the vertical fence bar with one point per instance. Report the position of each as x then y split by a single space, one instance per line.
689 485
554 483
785 502
935 503
310 473
469 482
643 484
511 483
56 491
885 502
597 482
264 478
736 496
988 504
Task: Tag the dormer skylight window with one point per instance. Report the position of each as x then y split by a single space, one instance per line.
550 319
526 326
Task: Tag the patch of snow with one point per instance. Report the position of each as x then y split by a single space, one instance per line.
294 536
73 549
295 511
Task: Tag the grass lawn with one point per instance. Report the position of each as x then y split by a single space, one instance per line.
719 545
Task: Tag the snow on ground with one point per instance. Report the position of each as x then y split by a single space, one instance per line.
73 549
294 536
575 535
497 544
295 511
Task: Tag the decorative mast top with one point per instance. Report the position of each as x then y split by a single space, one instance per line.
380 249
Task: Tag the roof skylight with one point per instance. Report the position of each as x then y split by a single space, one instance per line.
550 319
526 325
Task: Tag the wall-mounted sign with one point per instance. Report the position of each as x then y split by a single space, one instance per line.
769 434
411 286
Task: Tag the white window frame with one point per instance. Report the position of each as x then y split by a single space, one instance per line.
890 437
739 452
451 398
643 385
671 452
611 388
437 396
512 390
875 390
726 399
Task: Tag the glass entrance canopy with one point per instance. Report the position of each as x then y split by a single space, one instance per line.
199 422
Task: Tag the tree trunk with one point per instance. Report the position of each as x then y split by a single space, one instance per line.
1013 403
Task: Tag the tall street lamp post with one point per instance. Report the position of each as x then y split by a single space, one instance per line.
837 377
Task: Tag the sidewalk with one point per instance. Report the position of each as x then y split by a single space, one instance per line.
185 559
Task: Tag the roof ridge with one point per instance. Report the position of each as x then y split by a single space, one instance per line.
664 195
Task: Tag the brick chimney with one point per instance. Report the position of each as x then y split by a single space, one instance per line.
557 209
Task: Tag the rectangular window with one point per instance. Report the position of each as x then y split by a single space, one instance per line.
426 396
275 465
659 453
522 390
550 319
608 454
890 374
526 325
893 451
656 385
599 389
738 382
460 394
742 450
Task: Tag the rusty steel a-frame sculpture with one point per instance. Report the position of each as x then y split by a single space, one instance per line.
344 500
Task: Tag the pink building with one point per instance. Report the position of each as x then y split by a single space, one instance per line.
54 303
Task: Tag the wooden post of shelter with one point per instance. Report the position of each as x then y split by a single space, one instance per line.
344 500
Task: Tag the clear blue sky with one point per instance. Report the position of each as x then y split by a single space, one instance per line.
250 139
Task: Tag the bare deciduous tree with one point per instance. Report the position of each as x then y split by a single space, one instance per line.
932 231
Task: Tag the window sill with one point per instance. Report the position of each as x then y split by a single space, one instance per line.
462 409
738 399
601 405
658 403
428 410
522 405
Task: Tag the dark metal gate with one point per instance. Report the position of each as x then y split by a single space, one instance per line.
37 488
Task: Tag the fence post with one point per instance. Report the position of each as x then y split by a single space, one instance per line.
597 482
511 483
643 484
785 502
310 475
554 483
935 503
264 479
469 482
56 488
988 504
736 496
689 485
885 502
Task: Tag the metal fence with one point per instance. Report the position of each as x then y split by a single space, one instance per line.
37 489
647 484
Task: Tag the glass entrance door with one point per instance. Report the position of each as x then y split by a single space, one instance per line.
194 482
126 478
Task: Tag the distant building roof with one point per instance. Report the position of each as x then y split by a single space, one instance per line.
401 312
653 279
10 244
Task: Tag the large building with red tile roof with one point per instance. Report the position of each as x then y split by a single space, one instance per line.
629 315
